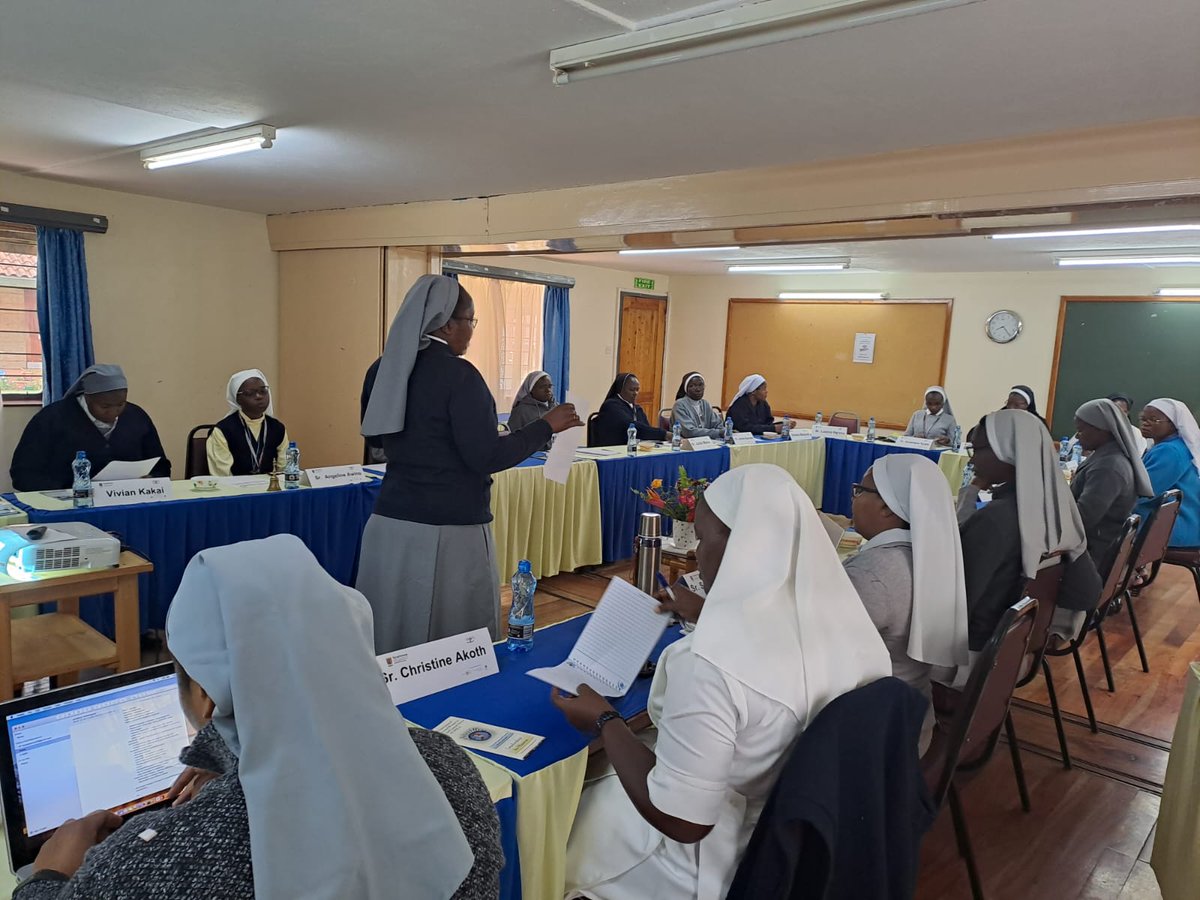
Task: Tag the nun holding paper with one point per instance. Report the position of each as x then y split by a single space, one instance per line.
935 420
427 564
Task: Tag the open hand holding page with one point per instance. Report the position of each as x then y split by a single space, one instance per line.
614 645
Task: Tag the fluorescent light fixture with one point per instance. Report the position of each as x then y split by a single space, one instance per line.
679 250
833 295
1178 292
1072 261
751 25
1093 232
209 146
786 268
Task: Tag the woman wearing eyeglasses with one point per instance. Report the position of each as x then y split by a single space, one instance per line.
1174 462
248 441
427 563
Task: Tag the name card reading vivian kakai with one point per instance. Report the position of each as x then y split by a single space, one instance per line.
425 669
133 490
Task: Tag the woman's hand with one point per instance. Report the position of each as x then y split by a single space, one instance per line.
188 785
687 605
562 417
583 710
66 848
943 441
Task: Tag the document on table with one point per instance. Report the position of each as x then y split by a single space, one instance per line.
122 470
614 645
490 738
562 452
600 452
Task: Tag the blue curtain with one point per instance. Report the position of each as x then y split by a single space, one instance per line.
64 312
556 338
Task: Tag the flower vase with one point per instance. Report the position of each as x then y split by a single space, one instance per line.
683 535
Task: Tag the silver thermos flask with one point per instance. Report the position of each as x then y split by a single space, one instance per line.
648 552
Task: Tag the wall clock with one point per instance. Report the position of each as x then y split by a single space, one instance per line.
1003 326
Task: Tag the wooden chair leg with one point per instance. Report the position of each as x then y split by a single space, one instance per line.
1058 722
1108 672
1010 731
964 841
1137 633
1084 689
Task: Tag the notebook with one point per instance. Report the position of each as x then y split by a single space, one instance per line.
614 645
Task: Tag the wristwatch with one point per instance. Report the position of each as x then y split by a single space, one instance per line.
604 718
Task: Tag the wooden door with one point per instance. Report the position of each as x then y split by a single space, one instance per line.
642 344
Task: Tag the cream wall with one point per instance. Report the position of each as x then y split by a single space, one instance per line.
595 301
978 372
182 296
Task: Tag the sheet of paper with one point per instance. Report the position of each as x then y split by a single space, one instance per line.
490 738
122 470
600 452
614 645
244 482
832 528
562 452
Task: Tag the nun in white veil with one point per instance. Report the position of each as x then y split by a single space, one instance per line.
250 440
781 634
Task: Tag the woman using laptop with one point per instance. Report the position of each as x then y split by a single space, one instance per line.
320 790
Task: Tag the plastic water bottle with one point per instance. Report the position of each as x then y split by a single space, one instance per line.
81 489
871 428
1064 450
676 437
520 615
785 430
956 439
631 440
819 419
729 431
1076 456
291 468
968 475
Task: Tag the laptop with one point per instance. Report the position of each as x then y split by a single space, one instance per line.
113 743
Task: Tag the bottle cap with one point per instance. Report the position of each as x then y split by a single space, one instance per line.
79 454
650 525
524 567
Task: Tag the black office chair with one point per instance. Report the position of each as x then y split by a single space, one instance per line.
196 456
591 438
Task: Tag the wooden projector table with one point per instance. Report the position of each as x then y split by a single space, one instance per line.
60 643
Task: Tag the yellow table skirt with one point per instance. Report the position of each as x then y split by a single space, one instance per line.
1176 856
804 461
952 465
554 526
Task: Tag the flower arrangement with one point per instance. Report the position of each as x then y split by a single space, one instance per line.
678 501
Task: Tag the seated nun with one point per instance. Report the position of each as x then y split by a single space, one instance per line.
620 407
1031 514
750 410
1174 462
534 399
695 415
248 441
935 420
1021 397
909 573
93 416
1110 479
309 785
780 635
1125 404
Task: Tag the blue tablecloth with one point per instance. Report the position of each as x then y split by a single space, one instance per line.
620 507
846 461
329 521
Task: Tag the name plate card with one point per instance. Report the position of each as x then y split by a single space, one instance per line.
831 430
742 438
700 443
332 476
915 443
425 669
134 490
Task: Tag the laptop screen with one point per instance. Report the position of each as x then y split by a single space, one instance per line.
101 745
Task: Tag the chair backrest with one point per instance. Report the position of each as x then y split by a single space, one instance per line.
591 438
195 460
1044 589
1152 544
1121 567
665 417
970 737
848 419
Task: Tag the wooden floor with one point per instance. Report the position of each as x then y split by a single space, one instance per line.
1091 830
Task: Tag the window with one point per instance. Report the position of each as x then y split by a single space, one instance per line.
20 340
507 344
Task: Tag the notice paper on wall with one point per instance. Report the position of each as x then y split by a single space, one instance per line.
864 347
489 738
562 453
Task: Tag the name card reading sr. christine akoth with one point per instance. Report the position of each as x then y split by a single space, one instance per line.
135 490
425 669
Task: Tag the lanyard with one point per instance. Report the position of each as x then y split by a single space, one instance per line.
256 447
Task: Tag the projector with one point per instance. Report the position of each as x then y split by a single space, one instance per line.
33 551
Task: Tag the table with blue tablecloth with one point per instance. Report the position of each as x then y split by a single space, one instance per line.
847 460
548 782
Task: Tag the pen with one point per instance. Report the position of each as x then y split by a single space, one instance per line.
662 583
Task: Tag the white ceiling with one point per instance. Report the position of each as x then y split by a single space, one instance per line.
946 254
380 101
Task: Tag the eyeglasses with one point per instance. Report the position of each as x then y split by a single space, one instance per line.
258 392
857 490
473 321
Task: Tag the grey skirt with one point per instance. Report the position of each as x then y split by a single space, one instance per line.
426 582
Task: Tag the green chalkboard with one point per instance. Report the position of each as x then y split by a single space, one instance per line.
1144 348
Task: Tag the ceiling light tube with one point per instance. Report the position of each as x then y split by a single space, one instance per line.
1178 292
1094 232
209 146
781 268
1074 261
743 27
679 250
833 295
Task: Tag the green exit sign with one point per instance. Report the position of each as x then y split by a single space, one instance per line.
644 284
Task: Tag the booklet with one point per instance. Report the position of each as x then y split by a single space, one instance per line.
490 738
122 470
615 643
